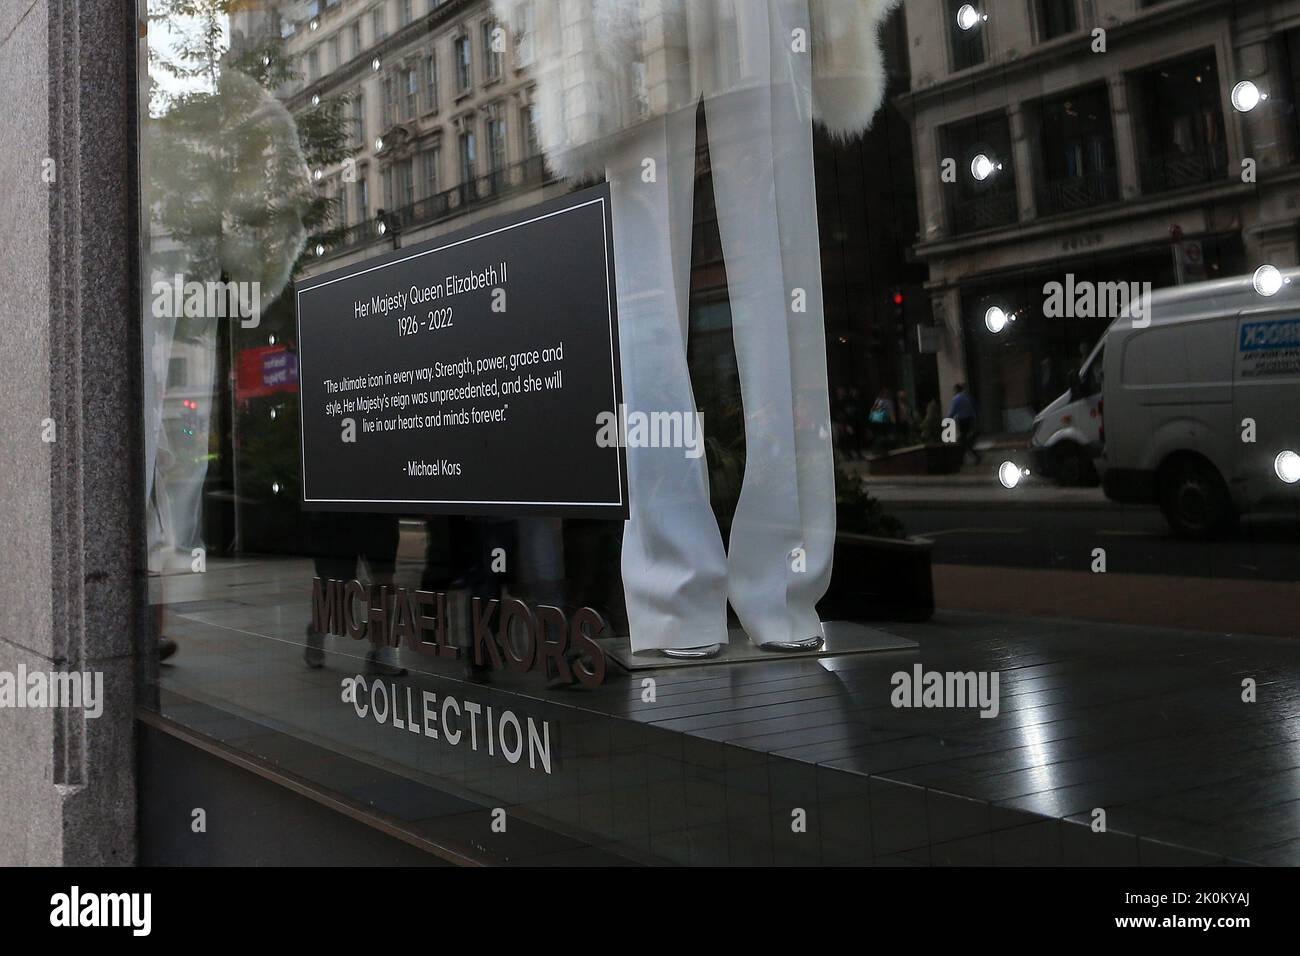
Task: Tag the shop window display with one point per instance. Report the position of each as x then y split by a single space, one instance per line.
883 278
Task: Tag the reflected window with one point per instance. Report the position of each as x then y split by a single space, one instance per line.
991 202
431 83
358 118
468 160
1077 151
412 93
496 142
528 126
491 50
429 163
525 24
390 100
1180 126
1056 18
464 64
966 46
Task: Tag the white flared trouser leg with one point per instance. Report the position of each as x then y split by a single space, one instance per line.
674 565
760 141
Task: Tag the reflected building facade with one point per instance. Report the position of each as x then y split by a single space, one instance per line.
1121 158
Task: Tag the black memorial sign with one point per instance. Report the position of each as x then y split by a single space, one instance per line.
466 374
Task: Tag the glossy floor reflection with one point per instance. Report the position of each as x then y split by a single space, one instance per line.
790 761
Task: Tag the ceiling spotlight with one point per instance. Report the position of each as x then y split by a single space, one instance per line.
1009 473
1246 96
995 319
1287 466
273 414
968 18
981 167
1268 280
275 487
271 340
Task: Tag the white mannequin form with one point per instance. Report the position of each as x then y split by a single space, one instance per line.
757 84
782 538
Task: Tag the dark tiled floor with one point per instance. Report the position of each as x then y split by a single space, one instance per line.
1145 725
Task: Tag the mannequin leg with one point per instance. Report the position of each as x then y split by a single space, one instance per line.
796 204
674 566
783 534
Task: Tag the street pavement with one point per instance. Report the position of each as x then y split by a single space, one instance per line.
1032 550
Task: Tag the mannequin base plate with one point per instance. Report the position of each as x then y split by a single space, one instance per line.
842 637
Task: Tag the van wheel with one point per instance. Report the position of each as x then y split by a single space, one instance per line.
1073 466
1194 499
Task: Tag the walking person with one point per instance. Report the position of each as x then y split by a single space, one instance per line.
962 411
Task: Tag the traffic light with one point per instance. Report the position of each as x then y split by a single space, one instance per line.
898 319
189 418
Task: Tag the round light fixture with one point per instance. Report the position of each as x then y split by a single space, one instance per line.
379 143
995 319
981 167
1287 466
374 64
1268 280
383 227
968 18
1246 96
315 99
1009 473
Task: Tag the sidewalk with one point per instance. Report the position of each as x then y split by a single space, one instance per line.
979 484
1222 605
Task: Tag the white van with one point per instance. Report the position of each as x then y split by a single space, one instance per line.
1067 433
1200 396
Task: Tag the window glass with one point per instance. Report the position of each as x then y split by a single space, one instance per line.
848 292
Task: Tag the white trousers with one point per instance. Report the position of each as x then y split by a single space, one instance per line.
676 575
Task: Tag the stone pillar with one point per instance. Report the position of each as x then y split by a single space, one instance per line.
951 358
1023 141
71 549
1126 154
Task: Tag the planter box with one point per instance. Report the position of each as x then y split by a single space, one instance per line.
937 459
879 579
